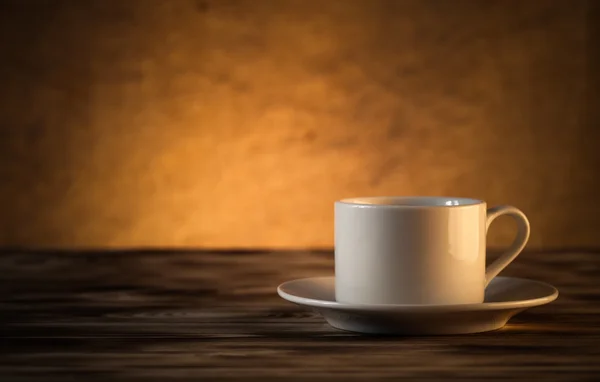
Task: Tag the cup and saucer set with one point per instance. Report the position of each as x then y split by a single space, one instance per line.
417 266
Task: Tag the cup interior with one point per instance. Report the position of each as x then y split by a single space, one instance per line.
412 201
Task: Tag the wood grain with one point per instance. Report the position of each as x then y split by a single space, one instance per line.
194 316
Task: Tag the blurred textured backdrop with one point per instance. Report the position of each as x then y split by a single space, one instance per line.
238 123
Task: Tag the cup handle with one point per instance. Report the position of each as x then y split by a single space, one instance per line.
518 244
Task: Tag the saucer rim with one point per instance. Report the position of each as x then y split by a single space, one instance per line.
498 305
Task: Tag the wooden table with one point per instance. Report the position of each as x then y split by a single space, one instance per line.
200 316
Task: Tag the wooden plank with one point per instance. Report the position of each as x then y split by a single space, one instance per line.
194 315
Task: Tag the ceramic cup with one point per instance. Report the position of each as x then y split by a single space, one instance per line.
417 250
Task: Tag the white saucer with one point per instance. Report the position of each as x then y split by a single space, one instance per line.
504 297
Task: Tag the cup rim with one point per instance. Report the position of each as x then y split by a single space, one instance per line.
410 202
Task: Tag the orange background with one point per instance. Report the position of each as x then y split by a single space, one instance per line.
238 123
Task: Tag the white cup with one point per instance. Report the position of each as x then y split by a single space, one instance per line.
417 250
